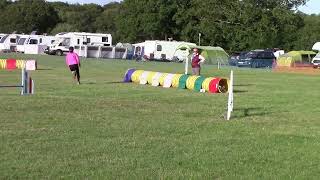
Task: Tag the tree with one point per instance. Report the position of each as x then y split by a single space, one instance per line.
28 15
309 34
106 22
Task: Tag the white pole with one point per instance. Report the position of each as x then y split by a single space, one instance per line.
32 89
186 66
187 62
230 98
22 81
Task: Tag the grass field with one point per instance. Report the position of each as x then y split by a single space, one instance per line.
103 129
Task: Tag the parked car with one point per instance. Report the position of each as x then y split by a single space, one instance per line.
316 61
233 60
257 59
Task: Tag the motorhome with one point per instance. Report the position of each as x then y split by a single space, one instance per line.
65 40
34 42
9 42
161 50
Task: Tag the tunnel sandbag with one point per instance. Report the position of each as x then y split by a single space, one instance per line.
191 81
198 83
144 77
206 84
168 81
127 76
175 80
183 81
150 77
218 85
161 80
156 78
136 76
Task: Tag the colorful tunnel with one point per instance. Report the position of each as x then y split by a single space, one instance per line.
181 81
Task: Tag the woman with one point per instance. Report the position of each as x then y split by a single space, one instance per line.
73 61
197 59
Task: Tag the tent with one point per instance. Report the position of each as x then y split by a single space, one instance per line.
213 55
295 58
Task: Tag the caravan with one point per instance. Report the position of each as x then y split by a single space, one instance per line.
316 60
21 42
34 44
161 50
9 42
1 35
64 40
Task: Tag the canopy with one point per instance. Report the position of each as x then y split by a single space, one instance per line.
292 57
213 55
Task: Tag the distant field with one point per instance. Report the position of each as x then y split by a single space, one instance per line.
109 130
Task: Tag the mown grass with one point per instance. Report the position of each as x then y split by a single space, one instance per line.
110 130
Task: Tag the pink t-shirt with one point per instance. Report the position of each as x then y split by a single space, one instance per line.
72 58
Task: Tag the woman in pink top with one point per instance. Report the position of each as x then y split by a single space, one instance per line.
73 61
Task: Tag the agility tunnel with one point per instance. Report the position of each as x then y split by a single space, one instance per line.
181 81
12 64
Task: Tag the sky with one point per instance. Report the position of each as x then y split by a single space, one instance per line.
312 7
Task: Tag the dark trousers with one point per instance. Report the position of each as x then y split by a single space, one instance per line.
75 68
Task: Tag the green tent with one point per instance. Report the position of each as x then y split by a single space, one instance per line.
213 55
291 58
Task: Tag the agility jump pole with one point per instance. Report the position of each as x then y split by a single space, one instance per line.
230 98
27 84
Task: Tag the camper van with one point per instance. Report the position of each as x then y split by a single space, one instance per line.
161 50
64 40
9 42
34 42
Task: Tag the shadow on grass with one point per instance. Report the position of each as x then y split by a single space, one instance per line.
249 112
239 91
44 69
242 85
115 82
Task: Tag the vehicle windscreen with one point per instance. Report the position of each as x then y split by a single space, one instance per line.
57 41
3 38
21 41
251 55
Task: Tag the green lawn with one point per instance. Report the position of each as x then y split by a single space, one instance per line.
103 129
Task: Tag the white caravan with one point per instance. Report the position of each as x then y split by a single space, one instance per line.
9 42
21 42
316 46
1 35
161 50
34 44
65 40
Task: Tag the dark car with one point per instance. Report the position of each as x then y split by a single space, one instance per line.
257 59
233 60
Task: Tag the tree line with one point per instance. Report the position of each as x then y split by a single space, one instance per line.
234 25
